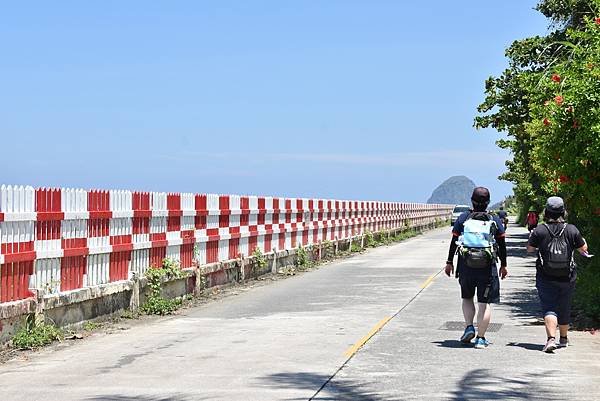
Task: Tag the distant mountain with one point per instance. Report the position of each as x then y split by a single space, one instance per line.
455 190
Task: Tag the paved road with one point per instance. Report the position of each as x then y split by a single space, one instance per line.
297 339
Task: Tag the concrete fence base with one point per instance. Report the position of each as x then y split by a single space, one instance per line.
77 306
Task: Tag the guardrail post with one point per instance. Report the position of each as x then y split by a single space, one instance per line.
134 301
274 265
39 305
320 251
242 268
199 287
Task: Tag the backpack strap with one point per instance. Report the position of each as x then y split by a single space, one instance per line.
549 231
555 235
563 229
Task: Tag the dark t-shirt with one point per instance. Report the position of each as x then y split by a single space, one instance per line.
459 228
540 238
502 214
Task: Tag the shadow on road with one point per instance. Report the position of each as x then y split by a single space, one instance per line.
524 302
482 384
337 389
528 346
516 245
117 397
452 344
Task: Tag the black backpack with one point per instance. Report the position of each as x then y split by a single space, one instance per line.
559 255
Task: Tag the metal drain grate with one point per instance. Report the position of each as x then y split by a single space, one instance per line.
460 326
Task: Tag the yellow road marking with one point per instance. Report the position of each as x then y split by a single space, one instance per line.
428 281
352 350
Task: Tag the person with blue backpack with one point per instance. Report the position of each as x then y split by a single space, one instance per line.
479 239
556 272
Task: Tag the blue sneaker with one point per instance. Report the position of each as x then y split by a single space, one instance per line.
481 343
468 334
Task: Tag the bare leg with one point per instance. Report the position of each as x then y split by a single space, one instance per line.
483 318
551 321
468 308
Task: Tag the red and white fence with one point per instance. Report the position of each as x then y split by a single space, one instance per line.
63 239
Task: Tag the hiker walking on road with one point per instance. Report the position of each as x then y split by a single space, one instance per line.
479 238
555 241
531 220
504 217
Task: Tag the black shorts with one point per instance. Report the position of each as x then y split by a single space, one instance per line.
486 284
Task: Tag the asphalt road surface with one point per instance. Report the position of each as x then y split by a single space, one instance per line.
383 325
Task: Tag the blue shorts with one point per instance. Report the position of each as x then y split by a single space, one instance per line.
555 297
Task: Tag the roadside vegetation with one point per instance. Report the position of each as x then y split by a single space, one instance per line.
156 304
36 334
546 102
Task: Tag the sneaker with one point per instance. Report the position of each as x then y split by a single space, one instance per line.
550 346
563 342
481 343
468 334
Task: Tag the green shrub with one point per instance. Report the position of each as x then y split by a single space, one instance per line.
369 239
91 326
259 263
160 306
327 249
302 258
35 335
156 304
587 294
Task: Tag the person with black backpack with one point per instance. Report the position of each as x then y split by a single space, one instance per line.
555 241
479 239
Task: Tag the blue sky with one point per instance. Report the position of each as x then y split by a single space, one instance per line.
337 99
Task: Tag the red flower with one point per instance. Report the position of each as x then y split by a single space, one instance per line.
597 21
575 124
579 180
563 178
559 100
556 77
546 122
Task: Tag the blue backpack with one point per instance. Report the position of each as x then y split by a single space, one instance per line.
478 242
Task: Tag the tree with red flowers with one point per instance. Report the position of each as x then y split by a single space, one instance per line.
547 102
